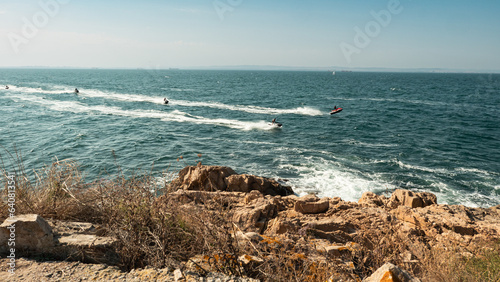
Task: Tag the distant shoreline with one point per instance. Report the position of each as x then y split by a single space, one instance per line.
273 68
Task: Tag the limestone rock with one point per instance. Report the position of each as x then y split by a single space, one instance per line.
390 272
178 275
220 178
255 194
311 204
247 183
331 250
284 225
447 219
371 199
411 199
86 240
254 217
202 178
332 224
333 229
29 231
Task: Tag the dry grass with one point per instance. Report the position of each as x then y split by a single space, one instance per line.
450 263
481 263
58 192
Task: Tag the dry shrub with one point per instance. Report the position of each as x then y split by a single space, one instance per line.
449 262
164 234
286 266
388 245
479 262
57 192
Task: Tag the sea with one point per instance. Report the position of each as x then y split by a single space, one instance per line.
432 132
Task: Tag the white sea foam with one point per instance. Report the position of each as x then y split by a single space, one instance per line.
329 179
473 170
175 116
179 89
368 145
250 109
447 195
94 93
31 90
308 111
421 168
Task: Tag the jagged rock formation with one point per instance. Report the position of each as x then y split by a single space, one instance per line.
220 178
336 226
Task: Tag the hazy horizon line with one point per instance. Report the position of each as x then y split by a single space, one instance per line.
272 68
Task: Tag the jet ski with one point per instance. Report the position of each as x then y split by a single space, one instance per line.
77 91
165 101
275 125
334 111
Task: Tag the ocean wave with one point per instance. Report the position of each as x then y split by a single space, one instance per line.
422 168
369 145
179 89
449 195
475 171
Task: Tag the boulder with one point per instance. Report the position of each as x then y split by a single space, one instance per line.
221 178
202 178
311 204
247 183
372 199
330 224
390 272
411 199
281 226
83 241
255 194
28 231
254 217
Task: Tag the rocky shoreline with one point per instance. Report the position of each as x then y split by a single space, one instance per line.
373 239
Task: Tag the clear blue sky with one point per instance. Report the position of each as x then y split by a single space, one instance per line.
182 33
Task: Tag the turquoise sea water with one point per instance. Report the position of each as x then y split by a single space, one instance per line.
420 131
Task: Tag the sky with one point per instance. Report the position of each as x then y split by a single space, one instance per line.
157 34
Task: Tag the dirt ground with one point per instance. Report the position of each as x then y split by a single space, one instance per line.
29 270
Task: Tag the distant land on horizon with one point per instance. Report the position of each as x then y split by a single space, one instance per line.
277 68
